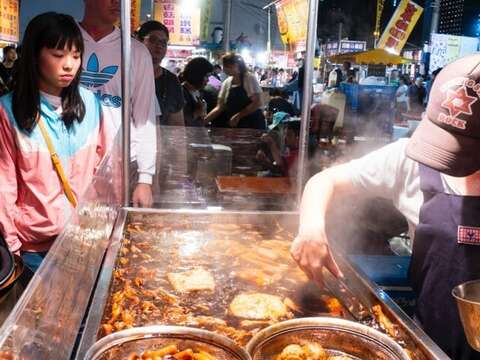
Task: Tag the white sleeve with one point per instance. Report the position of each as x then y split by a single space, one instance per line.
223 94
251 85
143 113
382 172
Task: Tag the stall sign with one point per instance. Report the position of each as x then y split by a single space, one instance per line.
9 27
346 46
445 49
400 26
183 22
292 21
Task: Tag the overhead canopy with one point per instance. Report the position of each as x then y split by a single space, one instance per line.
370 57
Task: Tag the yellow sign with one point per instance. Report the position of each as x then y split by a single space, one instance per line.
9 20
380 5
400 26
135 15
182 22
292 21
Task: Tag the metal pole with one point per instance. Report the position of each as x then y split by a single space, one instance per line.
228 26
269 24
126 50
435 17
340 32
307 95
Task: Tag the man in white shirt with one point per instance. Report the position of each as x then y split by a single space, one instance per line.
434 181
102 75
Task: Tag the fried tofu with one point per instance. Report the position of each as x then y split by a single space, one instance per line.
192 280
258 306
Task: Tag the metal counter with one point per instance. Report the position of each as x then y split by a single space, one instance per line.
365 291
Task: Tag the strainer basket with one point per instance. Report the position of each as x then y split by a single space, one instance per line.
339 337
123 344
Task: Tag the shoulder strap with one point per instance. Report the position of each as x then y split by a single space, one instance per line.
56 163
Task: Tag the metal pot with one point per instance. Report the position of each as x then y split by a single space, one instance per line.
136 340
468 302
337 336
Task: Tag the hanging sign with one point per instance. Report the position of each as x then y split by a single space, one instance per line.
182 21
400 26
9 29
292 21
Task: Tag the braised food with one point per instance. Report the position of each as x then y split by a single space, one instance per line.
258 306
193 280
310 351
171 352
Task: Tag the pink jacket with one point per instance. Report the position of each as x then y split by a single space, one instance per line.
33 205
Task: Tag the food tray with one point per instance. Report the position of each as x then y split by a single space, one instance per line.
338 337
129 344
207 234
254 185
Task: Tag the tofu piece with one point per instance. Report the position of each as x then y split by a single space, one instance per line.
192 280
258 306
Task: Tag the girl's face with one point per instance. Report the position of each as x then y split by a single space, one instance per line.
231 70
58 68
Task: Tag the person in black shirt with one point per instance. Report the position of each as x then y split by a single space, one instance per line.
6 68
155 36
195 78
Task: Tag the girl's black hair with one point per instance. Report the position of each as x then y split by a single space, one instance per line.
53 31
232 58
196 70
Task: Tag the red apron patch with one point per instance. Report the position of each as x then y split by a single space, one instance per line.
468 235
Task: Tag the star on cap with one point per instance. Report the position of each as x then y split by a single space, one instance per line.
459 102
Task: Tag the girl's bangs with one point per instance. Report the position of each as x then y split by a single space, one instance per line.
61 37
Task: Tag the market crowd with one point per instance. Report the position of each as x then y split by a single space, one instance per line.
61 109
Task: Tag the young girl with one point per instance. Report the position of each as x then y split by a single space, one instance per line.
47 105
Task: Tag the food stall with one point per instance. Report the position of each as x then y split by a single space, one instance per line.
369 106
116 268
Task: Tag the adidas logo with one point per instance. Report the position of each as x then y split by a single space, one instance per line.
92 76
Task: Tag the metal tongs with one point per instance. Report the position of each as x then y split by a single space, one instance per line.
347 298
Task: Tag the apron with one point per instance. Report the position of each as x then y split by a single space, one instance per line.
440 262
238 100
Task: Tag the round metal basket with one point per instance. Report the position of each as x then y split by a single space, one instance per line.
338 337
121 345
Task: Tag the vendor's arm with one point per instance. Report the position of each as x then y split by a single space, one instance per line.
8 179
143 110
311 249
216 111
385 173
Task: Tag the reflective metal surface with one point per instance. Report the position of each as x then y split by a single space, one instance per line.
468 301
137 340
410 335
336 336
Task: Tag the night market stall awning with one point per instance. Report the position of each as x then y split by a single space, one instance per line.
370 57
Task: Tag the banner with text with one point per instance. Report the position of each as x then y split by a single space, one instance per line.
182 21
292 21
9 19
446 48
400 26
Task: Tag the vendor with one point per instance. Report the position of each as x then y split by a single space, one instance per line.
434 181
239 101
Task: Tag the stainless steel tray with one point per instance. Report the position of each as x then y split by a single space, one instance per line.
368 293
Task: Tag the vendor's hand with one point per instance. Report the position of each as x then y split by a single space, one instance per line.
312 253
234 120
267 139
262 157
142 196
